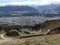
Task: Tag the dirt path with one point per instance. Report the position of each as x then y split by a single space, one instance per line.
37 38
7 40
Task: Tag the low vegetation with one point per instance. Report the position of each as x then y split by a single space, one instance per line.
39 40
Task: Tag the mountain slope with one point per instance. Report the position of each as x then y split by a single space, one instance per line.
47 7
16 11
17 8
53 25
51 10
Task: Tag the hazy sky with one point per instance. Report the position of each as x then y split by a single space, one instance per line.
27 2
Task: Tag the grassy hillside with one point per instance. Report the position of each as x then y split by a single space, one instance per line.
39 40
50 24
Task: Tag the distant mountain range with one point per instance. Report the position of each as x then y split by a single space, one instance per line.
47 7
16 11
51 10
17 8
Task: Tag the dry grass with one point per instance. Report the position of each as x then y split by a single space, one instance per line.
39 40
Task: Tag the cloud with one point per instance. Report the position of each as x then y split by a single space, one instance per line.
54 0
30 2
